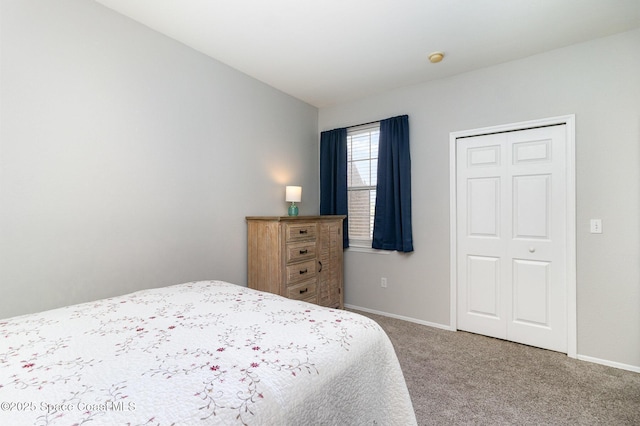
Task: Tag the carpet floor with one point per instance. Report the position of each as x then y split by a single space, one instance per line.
459 378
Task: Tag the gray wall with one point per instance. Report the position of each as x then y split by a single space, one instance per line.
128 160
599 82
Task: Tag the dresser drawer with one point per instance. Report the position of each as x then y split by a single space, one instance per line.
302 291
301 271
299 231
301 251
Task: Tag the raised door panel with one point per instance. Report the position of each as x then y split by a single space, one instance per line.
483 156
531 296
483 207
483 286
532 207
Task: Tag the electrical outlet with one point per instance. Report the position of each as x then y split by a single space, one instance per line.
596 226
383 282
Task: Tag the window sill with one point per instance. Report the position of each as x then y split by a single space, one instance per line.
362 249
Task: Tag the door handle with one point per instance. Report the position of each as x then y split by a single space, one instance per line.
532 249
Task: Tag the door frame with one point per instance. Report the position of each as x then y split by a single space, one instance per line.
570 249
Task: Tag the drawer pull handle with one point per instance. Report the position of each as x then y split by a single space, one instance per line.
303 231
304 291
303 251
320 270
304 271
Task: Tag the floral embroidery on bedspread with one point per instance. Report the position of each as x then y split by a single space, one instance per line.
196 351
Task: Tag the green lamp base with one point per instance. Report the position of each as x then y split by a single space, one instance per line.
293 210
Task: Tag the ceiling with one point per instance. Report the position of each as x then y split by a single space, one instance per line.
326 52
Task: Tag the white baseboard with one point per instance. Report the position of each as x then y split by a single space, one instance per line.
608 363
400 317
635 369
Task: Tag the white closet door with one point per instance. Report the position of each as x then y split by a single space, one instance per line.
511 198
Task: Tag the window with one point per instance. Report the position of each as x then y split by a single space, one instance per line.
362 173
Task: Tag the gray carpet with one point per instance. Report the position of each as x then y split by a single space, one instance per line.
462 378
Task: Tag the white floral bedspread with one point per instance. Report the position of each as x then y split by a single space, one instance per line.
205 352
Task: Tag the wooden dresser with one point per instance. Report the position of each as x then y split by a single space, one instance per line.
299 257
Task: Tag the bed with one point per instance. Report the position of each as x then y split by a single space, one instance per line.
199 353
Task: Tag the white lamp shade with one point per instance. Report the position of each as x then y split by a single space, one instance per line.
294 194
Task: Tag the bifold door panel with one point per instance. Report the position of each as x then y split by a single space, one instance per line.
511 214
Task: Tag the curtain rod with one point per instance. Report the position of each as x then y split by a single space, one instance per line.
363 124
366 124
371 122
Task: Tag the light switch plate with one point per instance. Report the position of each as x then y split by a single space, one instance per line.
596 226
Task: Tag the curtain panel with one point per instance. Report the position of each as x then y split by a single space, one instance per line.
392 229
333 176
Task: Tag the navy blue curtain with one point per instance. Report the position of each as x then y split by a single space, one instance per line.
333 176
392 220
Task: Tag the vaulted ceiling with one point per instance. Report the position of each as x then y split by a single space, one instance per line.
331 51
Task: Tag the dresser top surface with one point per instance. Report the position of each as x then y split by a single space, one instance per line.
296 218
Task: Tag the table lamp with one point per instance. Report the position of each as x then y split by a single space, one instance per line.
293 195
